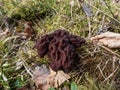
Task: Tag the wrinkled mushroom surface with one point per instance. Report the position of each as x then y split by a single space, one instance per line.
60 46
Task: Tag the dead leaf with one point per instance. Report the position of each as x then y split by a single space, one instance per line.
45 78
60 78
110 39
40 75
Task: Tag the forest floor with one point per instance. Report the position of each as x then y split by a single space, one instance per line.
99 66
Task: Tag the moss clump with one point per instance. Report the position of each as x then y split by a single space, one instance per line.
27 9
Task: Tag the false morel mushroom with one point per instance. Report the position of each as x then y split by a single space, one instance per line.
60 47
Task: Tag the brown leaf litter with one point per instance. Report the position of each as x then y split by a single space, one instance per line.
45 78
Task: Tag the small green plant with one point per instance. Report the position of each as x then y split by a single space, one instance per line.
51 88
74 86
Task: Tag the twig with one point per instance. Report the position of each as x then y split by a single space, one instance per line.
28 69
105 65
89 24
71 12
111 75
109 50
103 21
71 4
113 63
101 71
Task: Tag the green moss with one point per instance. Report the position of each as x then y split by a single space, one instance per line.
27 9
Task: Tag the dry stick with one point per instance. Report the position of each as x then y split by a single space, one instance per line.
71 4
109 50
111 75
113 63
71 12
103 21
29 71
105 65
113 80
101 71
79 79
89 24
